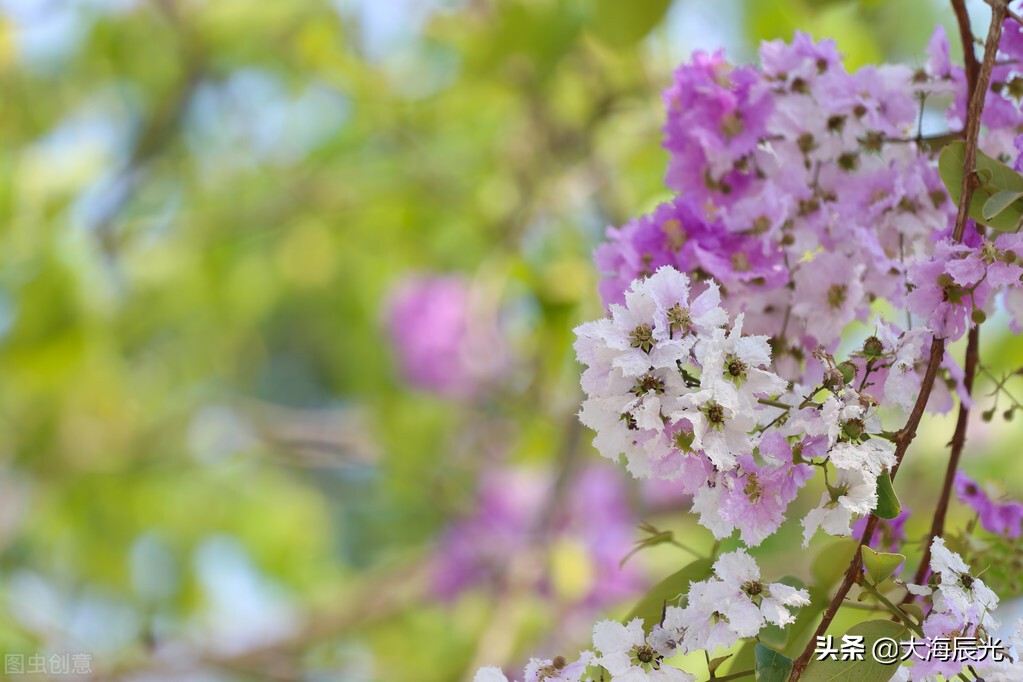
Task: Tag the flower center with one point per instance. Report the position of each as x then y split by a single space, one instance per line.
644 656
674 234
950 291
740 262
715 414
647 383
836 295
753 587
642 337
684 441
736 367
731 125
680 319
752 488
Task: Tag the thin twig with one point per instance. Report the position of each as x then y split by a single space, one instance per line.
958 441
735 676
898 613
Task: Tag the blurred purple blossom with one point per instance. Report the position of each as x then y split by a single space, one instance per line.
1003 518
445 342
521 522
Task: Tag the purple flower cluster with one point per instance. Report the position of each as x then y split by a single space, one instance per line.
804 196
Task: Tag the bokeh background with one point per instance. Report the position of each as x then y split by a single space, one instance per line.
287 290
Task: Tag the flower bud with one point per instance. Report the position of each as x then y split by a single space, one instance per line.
978 316
848 371
873 348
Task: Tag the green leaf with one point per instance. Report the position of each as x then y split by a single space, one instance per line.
621 24
999 202
746 657
888 505
831 563
867 670
715 663
771 666
651 606
881 565
914 611
994 177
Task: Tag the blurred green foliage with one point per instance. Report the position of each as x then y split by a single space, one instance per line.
204 205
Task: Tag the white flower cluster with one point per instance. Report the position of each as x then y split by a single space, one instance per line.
962 607
685 397
732 604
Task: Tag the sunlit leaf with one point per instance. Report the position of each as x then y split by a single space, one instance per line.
831 562
994 178
621 24
651 606
999 202
881 565
771 665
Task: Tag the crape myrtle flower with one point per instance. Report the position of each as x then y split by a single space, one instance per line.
962 607
734 603
543 670
642 375
953 288
853 493
630 656
753 498
717 114
1002 518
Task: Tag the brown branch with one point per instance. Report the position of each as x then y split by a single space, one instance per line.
1015 17
908 432
966 38
958 441
977 93
903 439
